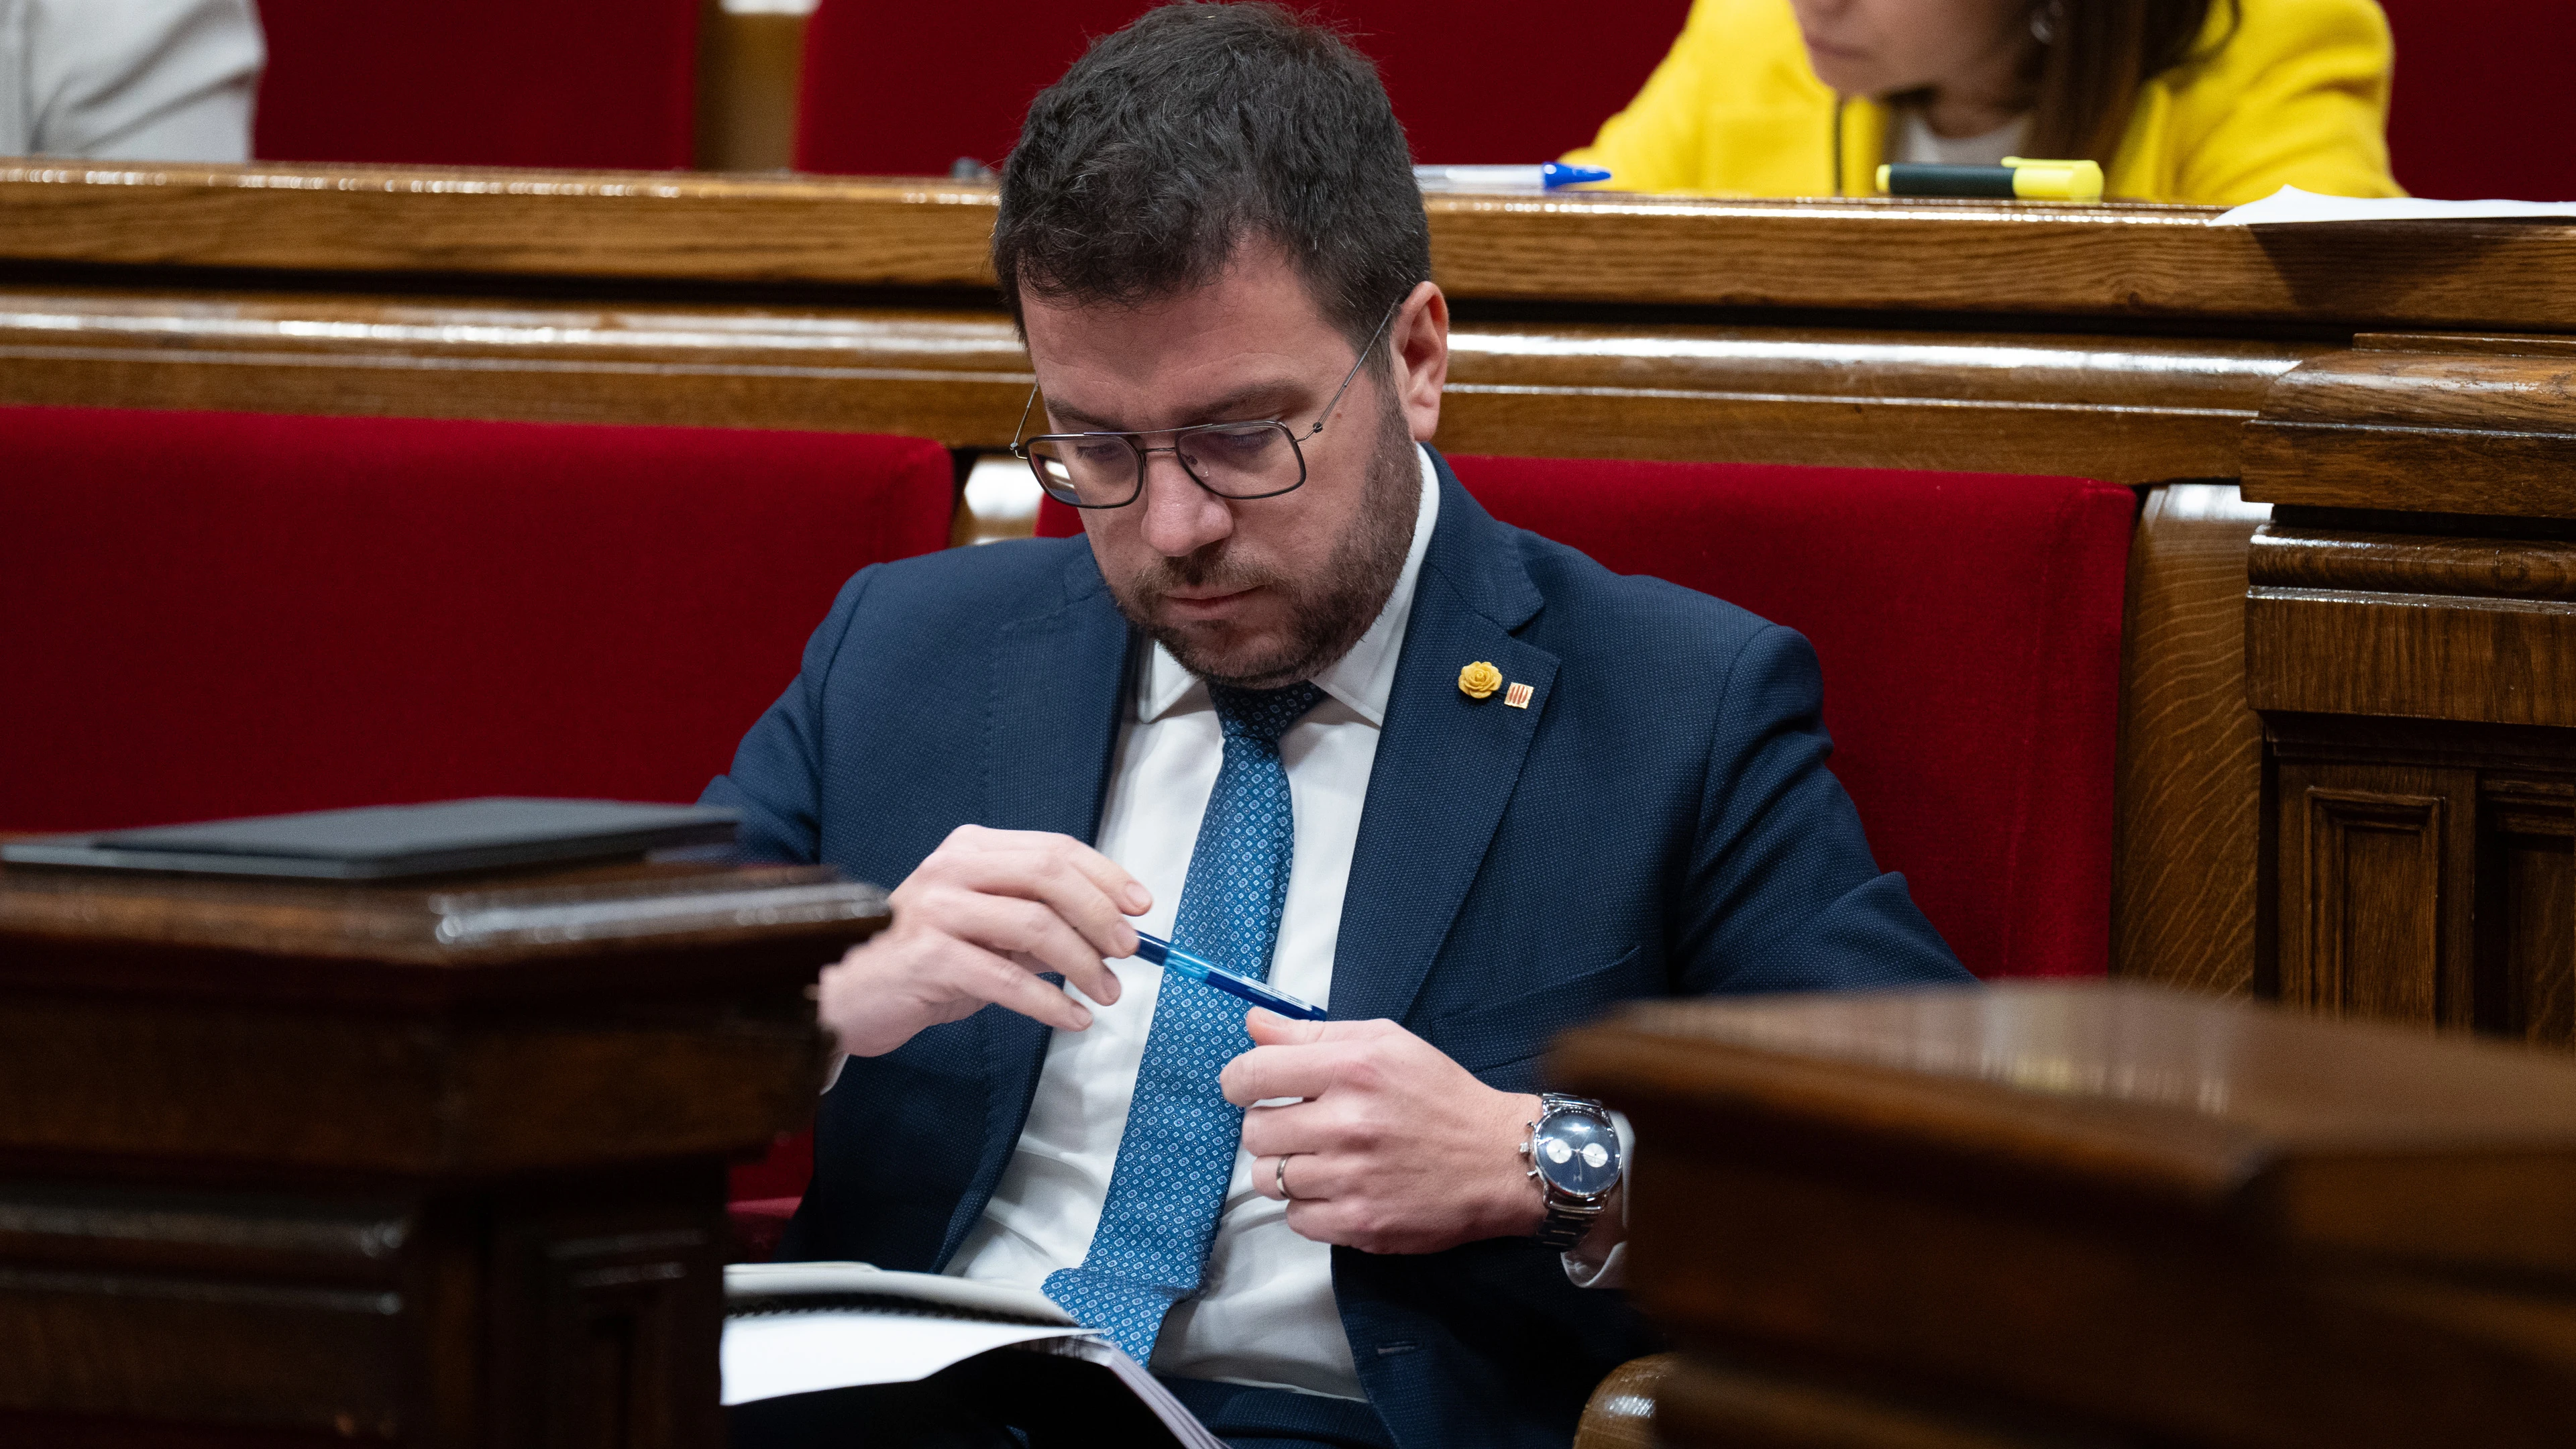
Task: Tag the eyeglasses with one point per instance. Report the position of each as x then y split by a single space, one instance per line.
1230 460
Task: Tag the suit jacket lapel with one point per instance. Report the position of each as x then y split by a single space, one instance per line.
1059 687
1446 765
1058 691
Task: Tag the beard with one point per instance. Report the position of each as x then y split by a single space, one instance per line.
1328 612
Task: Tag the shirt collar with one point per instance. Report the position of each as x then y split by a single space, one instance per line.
1361 679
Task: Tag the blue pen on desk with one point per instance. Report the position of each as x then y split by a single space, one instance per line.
1506 178
1172 958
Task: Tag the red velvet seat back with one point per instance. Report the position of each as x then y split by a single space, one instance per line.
480 82
1969 627
215 614
2477 110
903 88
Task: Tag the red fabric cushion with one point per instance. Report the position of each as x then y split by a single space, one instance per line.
758 1224
2472 115
1472 80
218 614
782 1174
480 82
1969 627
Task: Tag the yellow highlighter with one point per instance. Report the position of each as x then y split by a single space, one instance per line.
2019 178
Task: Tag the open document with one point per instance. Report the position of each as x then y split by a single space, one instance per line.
800 1328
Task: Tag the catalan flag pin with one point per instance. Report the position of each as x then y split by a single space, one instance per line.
1518 696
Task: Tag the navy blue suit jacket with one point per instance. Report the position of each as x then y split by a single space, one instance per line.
1658 821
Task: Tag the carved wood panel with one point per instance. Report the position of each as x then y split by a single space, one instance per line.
2365 851
604 1325
2413 673
2527 910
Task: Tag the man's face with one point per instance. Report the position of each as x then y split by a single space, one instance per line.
1266 591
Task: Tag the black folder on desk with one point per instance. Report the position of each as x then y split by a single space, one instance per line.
391 842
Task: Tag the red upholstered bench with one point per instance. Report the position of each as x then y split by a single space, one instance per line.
215 614
1969 627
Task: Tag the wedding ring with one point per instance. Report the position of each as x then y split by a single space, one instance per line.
1279 1175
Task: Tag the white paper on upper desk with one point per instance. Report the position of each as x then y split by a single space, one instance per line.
2290 206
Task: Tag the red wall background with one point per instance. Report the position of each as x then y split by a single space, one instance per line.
2478 111
898 87
610 83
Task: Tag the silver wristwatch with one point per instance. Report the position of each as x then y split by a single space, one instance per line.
1573 1152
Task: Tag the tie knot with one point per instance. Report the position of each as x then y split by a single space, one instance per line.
1262 714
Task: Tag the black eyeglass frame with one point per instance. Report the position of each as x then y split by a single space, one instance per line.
1135 441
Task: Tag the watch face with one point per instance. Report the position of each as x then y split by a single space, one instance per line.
1577 1153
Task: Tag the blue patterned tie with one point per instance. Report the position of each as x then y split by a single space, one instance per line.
1178 1152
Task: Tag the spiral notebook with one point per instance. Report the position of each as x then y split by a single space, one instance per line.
800 1328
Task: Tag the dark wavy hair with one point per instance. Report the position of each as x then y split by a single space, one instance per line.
1199 127
2086 79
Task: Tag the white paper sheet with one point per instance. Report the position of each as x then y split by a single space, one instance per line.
791 1280
2290 206
767 1355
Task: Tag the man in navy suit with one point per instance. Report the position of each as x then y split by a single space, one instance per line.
1298 703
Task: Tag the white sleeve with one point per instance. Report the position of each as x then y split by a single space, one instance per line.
141 80
1613 1271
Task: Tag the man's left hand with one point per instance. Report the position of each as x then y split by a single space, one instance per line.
1394 1149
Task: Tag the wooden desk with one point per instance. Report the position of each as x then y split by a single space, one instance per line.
2394 383
289 1164
2092 1215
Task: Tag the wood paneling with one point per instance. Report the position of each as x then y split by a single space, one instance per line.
2183 887
2127 409
958 376
2488 432
2408 625
2367 867
2423 872
2092 1214
1728 1403
2526 909
2124 261
2349 560
664 225
2502 661
384 1162
1976 257
2123 408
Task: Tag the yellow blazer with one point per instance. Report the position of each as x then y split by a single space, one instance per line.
2297 95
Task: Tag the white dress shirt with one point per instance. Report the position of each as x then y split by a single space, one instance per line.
133 80
1264 1313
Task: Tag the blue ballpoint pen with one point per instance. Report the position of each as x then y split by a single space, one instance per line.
1172 958
1546 177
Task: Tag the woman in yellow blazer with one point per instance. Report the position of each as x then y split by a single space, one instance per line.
2219 101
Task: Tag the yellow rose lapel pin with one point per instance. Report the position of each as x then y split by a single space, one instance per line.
1479 680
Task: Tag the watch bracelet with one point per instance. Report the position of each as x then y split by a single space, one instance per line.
1567 1222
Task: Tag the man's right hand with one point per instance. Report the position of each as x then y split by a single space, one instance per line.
977 924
